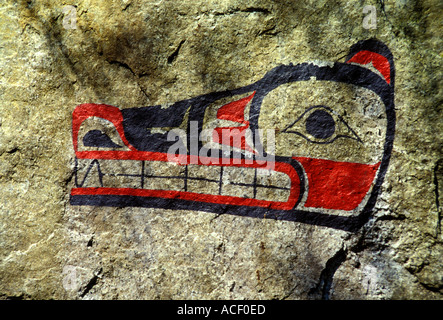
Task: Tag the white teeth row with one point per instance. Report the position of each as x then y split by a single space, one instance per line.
241 182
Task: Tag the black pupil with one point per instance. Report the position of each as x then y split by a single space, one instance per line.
320 124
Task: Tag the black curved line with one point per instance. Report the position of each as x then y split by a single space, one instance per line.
285 130
324 142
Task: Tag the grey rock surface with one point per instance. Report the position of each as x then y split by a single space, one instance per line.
145 53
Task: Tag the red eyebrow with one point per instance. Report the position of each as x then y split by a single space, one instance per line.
378 61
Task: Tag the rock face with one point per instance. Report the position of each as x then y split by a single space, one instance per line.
348 97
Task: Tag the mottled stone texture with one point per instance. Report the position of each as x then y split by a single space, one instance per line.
138 53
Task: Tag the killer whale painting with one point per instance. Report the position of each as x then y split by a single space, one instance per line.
332 125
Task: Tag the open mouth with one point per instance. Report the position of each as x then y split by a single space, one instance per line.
246 184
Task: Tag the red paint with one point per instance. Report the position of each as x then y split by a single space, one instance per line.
87 110
378 61
233 136
235 111
332 184
230 112
337 185
220 199
127 155
191 196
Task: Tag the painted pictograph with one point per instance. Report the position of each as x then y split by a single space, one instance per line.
309 142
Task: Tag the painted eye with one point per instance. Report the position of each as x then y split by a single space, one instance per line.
319 124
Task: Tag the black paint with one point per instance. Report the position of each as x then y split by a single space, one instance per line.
320 124
96 138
